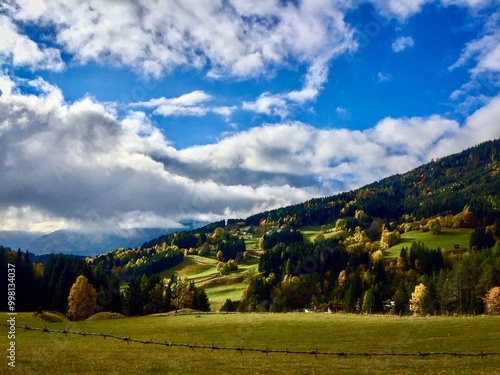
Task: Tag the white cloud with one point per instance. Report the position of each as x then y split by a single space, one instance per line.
473 4
83 167
383 77
268 104
237 38
352 157
402 43
400 9
191 104
20 50
482 57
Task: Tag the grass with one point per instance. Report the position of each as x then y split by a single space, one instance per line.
51 317
106 316
43 353
230 286
193 266
251 242
218 295
203 271
445 240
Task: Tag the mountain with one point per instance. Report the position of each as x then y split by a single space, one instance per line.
78 243
444 186
344 265
18 239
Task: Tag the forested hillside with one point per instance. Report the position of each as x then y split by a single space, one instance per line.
441 187
346 265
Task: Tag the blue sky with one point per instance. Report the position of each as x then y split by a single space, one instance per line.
143 114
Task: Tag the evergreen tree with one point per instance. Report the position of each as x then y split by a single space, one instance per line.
401 299
369 301
133 298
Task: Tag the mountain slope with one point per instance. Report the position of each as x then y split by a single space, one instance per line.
77 243
444 186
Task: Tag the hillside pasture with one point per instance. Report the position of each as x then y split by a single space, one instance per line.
446 240
251 242
310 233
203 271
53 353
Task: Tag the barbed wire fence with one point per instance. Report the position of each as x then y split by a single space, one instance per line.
314 352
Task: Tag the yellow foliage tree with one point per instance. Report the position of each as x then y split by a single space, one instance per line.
417 299
82 300
389 239
492 301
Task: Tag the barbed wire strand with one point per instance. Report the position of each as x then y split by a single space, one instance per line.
267 351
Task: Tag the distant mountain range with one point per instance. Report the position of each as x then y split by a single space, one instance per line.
78 243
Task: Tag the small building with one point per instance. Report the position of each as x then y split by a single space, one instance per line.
247 230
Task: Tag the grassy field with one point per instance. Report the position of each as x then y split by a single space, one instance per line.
51 353
251 242
203 271
445 240
310 232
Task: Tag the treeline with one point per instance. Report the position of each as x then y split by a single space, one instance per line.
137 262
303 275
154 295
48 288
289 236
39 287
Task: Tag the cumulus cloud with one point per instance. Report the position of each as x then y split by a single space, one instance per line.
351 158
402 43
19 50
236 38
268 104
400 9
83 166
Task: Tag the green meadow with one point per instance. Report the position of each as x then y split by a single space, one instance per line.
446 240
53 353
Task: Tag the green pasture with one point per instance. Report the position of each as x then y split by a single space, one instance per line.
203 271
251 242
445 240
52 353
310 232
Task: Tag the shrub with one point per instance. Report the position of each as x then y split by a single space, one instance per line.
492 301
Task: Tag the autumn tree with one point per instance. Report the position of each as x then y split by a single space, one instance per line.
435 226
181 296
204 249
418 299
82 300
389 239
340 224
492 301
